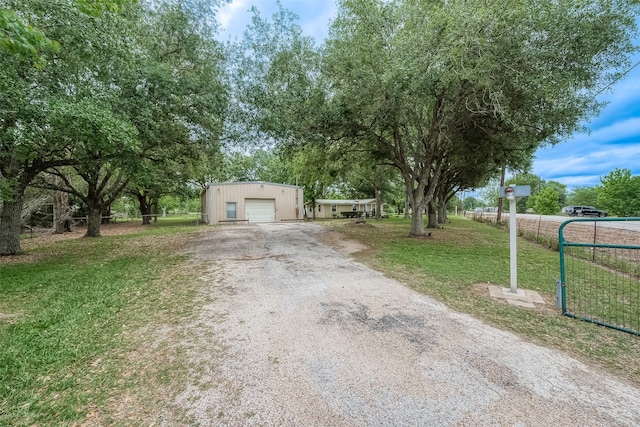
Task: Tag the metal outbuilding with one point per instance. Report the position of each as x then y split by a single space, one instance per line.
252 202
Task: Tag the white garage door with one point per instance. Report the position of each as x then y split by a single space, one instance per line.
260 210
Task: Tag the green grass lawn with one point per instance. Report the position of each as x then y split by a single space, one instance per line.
73 319
452 264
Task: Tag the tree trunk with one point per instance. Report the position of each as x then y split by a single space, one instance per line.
406 207
417 223
61 212
145 208
106 215
95 217
432 215
417 200
499 214
442 213
10 222
441 208
378 205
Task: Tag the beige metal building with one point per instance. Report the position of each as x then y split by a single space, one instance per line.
251 202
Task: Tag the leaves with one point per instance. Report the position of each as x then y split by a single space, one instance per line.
619 193
275 82
97 7
584 196
546 203
19 38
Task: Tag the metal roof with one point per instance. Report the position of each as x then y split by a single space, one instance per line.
344 202
211 184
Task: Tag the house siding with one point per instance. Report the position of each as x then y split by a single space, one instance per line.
325 211
288 200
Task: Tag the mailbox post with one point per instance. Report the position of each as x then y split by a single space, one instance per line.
510 193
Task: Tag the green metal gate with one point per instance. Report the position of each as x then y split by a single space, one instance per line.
600 272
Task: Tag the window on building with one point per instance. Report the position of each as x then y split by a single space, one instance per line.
231 210
318 208
354 207
334 208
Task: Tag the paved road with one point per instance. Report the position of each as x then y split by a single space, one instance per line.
296 333
620 223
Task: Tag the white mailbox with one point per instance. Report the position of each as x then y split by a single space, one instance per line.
510 193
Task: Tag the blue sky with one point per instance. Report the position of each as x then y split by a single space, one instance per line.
613 140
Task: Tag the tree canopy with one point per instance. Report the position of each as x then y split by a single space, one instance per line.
547 202
583 196
128 85
620 193
434 86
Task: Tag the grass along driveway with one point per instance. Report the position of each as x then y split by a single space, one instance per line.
79 328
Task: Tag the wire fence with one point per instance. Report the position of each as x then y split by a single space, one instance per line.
537 228
196 217
82 221
600 282
599 264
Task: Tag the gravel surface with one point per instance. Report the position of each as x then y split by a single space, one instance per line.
296 333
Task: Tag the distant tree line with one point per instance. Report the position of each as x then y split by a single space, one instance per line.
618 193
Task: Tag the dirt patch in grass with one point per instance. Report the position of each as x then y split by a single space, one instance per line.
9 317
343 244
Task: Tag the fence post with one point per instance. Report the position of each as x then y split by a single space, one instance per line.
559 289
593 252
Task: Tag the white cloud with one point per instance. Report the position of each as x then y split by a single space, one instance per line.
625 92
230 11
313 16
585 165
318 27
579 181
619 130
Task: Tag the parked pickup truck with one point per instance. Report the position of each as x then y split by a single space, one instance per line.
584 211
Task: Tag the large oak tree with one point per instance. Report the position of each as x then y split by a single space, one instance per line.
423 80
131 82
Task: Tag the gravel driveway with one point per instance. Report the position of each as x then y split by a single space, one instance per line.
296 333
